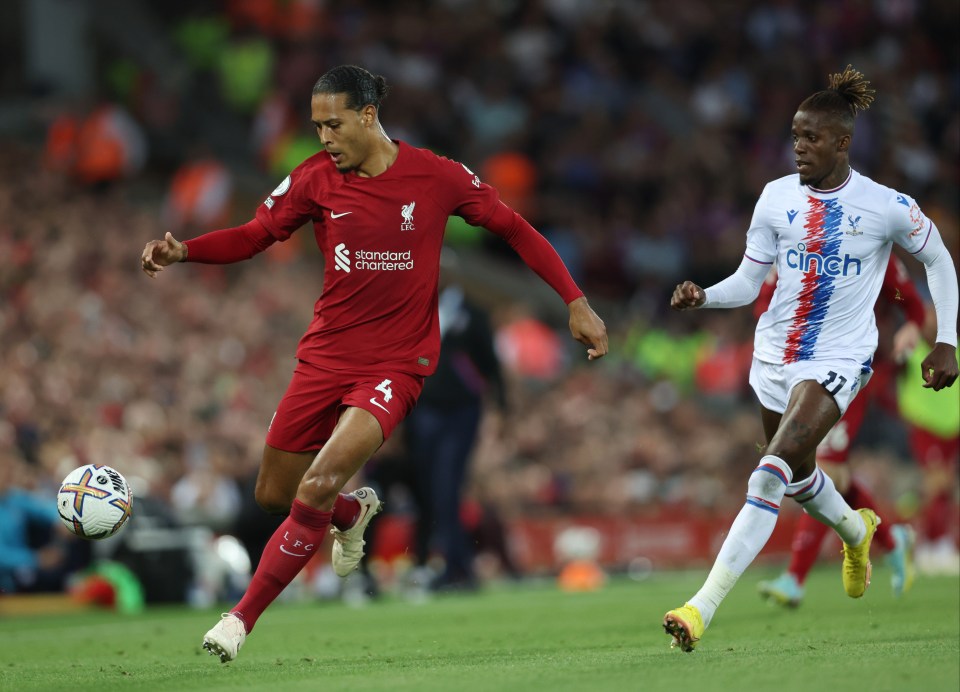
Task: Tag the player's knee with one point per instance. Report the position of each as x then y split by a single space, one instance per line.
765 485
319 490
769 481
272 500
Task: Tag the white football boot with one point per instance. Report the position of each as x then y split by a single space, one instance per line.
348 544
226 637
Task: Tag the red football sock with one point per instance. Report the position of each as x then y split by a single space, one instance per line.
936 517
858 497
805 548
346 509
290 548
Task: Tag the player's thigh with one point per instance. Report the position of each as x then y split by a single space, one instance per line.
387 395
771 422
279 477
810 413
355 438
371 407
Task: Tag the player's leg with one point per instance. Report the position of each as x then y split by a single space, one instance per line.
279 477
859 496
304 420
354 440
809 414
834 454
752 526
815 490
756 520
387 402
808 536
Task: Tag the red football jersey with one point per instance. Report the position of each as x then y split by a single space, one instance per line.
381 239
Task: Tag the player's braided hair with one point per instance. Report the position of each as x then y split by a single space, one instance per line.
848 94
361 86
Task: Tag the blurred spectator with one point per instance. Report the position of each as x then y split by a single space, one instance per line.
97 147
37 554
199 196
528 346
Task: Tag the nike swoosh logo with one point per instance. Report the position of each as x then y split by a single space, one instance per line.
379 405
284 550
337 216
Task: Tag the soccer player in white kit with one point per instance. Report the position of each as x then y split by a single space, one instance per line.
830 232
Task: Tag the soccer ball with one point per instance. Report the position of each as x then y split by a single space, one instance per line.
94 501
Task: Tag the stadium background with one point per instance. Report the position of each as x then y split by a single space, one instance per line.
635 135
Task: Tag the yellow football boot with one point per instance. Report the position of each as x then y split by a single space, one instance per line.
685 625
856 559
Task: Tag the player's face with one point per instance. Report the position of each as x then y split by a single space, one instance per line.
820 150
344 132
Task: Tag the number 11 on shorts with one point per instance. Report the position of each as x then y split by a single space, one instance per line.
826 383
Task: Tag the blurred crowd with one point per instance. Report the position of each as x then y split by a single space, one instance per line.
635 135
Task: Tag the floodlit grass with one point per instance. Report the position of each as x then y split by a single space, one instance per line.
529 637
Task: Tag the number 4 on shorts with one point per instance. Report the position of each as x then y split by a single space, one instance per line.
384 387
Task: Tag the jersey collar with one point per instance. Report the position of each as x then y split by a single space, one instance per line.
832 190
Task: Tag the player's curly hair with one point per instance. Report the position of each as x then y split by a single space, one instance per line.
361 86
848 94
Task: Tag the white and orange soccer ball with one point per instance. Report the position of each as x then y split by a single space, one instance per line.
94 501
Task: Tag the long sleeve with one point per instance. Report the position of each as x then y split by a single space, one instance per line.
739 288
535 250
942 282
230 245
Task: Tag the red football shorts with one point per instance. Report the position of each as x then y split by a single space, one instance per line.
315 398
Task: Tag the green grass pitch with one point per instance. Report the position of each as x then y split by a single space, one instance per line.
527 637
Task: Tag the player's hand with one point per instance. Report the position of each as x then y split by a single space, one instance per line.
687 296
158 254
905 341
939 369
587 328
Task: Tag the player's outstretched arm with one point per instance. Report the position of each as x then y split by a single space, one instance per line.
939 369
158 254
687 296
587 328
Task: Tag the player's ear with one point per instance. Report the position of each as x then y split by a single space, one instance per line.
843 144
369 115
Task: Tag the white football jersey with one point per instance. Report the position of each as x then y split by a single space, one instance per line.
831 249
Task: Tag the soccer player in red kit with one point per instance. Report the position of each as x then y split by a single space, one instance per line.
379 208
833 452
